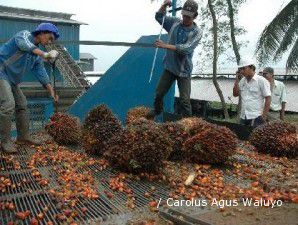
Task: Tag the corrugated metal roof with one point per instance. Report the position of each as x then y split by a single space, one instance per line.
86 55
36 15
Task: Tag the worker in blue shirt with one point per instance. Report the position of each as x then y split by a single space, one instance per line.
18 56
184 37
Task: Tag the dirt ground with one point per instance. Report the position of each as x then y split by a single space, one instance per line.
284 215
287 214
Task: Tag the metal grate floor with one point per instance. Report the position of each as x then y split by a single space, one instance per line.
27 194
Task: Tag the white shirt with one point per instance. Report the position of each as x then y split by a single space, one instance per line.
253 95
278 95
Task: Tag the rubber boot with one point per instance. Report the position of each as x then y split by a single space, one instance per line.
22 122
7 144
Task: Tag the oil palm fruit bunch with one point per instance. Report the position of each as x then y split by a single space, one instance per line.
142 121
193 125
136 113
213 145
65 129
276 138
178 136
142 147
118 153
99 126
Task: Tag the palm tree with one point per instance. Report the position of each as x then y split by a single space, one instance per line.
280 36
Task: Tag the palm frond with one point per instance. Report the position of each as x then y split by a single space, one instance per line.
292 62
273 34
288 39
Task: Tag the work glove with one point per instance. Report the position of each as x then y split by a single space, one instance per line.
51 56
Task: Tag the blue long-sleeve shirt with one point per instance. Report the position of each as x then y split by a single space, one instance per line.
17 59
186 39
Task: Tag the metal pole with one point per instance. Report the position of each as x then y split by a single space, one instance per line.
156 49
174 5
55 91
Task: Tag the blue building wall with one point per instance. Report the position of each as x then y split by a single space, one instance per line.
68 32
126 84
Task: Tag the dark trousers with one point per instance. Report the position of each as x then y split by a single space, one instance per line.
253 122
184 85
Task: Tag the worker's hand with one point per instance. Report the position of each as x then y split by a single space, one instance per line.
51 56
160 44
238 75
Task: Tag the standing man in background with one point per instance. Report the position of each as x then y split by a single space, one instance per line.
278 96
18 56
255 95
184 37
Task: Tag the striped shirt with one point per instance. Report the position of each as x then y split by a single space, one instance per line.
17 59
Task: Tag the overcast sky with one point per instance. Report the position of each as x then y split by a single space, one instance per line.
120 20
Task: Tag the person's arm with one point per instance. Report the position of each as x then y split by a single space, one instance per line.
266 92
266 107
161 44
236 91
168 20
192 42
23 42
40 53
41 74
282 111
283 102
183 49
52 93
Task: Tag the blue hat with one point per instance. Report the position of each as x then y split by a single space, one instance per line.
46 27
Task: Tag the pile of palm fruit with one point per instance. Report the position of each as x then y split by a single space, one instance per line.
142 145
99 127
65 129
137 113
276 138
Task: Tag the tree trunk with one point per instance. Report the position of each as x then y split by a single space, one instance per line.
233 37
215 56
235 47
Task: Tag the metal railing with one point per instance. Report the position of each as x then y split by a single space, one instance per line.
284 77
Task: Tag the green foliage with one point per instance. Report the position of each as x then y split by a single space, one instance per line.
279 36
225 48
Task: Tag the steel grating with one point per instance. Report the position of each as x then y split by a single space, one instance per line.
27 194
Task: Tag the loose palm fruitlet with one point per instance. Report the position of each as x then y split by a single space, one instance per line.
178 136
99 126
136 113
193 125
213 145
142 147
64 129
276 138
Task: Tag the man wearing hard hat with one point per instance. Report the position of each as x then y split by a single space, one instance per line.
18 56
255 94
